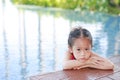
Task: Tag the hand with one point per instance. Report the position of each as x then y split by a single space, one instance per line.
80 67
76 67
95 62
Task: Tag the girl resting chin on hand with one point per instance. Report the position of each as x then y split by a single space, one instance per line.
80 55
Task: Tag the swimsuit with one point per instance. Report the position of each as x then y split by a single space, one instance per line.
72 57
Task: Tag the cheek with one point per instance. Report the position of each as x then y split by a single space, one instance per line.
75 54
88 54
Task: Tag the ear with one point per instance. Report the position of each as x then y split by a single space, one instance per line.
70 49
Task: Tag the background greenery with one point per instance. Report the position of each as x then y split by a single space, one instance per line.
108 6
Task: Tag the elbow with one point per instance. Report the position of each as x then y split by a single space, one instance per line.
108 67
66 67
112 66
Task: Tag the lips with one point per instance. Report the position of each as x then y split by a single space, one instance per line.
82 59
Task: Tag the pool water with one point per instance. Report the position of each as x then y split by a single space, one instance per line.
33 40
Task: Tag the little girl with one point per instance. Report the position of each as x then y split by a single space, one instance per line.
80 55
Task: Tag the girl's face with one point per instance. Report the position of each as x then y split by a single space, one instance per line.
81 49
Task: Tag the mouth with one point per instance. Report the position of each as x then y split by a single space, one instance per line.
82 59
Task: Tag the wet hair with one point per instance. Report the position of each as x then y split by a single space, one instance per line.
76 33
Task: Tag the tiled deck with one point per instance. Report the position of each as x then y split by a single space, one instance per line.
83 74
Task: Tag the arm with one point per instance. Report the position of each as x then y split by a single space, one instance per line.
71 64
99 62
94 61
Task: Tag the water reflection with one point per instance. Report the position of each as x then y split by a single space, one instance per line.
117 44
6 54
117 38
39 44
113 23
22 43
34 41
5 45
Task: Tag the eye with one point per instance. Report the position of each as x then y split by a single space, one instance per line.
78 49
86 49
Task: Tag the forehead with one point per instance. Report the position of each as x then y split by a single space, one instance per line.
82 42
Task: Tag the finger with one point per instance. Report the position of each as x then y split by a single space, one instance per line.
82 67
100 60
78 68
97 59
74 68
95 62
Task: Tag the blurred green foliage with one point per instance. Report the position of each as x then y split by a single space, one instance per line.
108 6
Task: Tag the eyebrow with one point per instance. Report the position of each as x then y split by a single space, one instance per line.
84 48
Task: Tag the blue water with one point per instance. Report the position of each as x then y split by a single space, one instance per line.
33 40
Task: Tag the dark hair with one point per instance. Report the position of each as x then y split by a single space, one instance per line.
78 32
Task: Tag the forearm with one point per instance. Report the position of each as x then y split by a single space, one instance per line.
107 65
100 63
70 64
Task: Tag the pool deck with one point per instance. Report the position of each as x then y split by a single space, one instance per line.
83 74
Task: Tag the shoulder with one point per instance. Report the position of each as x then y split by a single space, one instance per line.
69 56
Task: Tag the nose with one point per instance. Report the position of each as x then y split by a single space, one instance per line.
82 53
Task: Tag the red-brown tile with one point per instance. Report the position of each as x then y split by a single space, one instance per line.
83 74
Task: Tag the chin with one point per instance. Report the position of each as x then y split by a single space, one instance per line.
82 60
